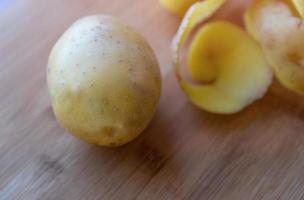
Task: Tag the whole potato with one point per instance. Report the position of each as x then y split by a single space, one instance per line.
104 81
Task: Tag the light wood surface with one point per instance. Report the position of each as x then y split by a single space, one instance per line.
184 154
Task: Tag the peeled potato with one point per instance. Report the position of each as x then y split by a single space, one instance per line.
177 6
104 81
227 62
278 27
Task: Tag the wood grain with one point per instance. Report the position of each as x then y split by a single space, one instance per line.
184 154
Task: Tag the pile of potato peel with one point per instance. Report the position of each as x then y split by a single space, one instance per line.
231 67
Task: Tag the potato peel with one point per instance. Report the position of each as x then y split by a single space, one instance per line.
299 4
281 35
197 13
178 7
241 73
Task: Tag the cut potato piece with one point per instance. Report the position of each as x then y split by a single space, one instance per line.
281 35
225 57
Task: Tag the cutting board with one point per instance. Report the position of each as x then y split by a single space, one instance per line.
185 153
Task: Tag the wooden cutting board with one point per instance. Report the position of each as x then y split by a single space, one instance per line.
185 153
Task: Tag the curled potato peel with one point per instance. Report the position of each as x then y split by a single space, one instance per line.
280 31
177 6
299 4
222 56
197 13
292 6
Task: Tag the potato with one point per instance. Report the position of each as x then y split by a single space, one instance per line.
104 81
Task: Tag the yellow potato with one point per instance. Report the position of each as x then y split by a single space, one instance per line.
280 31
104 81
228 64
177 6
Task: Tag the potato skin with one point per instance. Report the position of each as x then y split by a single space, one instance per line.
104 81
